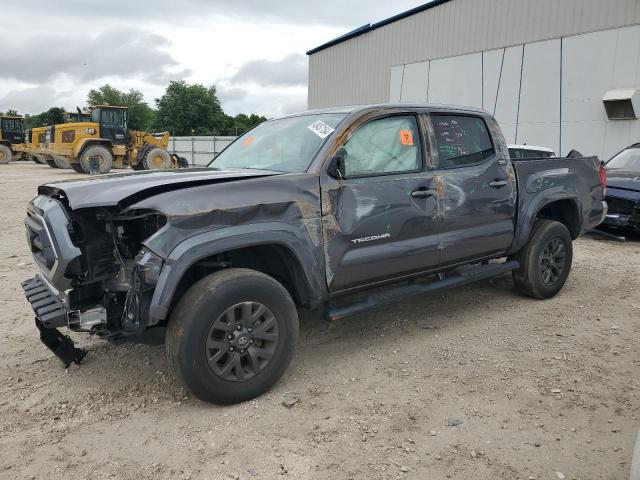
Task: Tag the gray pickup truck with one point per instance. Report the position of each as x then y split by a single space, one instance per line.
339 210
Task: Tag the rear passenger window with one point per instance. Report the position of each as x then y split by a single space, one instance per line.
461 140
386 145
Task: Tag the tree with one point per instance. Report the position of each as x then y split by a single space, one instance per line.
52 116
190 110
12 113
140 114
241 123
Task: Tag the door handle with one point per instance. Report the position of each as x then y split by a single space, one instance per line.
498 183
423 193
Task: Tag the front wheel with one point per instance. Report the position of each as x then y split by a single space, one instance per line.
103 154
5 154
545 262
232 335
157 159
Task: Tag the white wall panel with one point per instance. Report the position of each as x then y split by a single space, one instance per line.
456 80
539 116
395 83
491 74
509 86
414 83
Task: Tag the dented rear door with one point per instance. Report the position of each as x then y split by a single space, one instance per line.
476 187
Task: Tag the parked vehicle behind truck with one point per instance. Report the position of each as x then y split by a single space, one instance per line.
338 210
623 190
106 138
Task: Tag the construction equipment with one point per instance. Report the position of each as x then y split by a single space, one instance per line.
33 137
73 117
11 135
106 138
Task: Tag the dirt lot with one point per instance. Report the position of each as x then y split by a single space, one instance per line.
478 383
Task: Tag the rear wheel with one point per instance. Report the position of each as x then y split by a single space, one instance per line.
232 335
157 159
5 154
51 163
105 158
545 262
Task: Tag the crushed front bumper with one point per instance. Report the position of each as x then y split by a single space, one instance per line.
50 314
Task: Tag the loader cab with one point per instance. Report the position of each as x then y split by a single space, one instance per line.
11 130
75 117
113 123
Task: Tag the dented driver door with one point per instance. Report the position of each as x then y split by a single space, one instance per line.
378 220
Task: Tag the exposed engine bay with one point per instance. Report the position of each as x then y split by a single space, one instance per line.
108 281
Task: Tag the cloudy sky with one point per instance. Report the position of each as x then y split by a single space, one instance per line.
252 50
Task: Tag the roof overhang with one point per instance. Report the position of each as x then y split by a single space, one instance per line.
373 26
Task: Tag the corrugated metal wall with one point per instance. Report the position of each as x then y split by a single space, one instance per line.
359 70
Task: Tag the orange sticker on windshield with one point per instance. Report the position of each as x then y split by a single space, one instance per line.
248 141
406 137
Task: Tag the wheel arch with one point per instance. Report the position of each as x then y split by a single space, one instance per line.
277 253
90 142
564 209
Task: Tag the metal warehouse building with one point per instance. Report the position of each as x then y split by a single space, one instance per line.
558 73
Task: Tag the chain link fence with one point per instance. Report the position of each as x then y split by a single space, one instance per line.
199 150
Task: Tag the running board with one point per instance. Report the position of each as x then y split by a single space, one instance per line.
388 296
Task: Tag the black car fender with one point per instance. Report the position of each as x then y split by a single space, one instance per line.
530 209
206 244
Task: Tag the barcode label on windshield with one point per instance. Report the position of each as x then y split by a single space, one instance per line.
321 129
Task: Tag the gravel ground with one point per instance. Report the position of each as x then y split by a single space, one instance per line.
475 383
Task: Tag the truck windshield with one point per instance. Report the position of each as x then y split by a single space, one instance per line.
628 159
284 145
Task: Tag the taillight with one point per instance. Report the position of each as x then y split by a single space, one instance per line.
603 179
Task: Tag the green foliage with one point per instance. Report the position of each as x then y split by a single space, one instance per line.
140 114
52 116
195 110
12 113
189 109
184 109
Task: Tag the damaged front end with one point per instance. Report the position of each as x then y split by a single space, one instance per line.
95 274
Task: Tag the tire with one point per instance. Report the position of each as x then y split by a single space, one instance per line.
198 330
545 262
51 163
34 159
61 162
5 154
104 155
157 159
77 167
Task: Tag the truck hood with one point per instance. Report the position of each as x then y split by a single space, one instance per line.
124 189
623 179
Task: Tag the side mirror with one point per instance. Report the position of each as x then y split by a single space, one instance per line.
337 165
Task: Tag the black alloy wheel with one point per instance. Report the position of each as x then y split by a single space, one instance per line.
553 261
242 341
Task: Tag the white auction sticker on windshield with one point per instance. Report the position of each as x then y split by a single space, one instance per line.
321 129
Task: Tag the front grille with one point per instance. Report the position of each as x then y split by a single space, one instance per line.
621 206
39 242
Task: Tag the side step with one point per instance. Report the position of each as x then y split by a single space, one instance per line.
390 295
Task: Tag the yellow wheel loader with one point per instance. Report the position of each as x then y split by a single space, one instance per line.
11 138
106 139
30 149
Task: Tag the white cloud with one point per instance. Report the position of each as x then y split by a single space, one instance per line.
254 51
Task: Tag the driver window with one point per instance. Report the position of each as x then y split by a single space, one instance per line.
386 145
